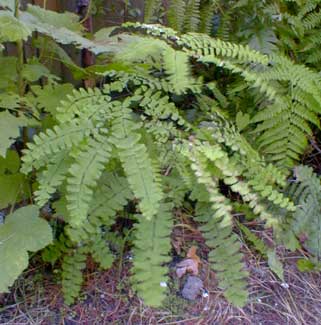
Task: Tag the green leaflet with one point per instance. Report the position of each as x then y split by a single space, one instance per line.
17 237
11 162
13 188
67 20
12 29
34 70
8 4
9 130
50 96
177 68
14 185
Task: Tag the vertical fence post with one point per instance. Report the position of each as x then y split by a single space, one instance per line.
87 58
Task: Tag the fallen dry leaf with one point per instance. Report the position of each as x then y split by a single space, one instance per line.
190 264
192 254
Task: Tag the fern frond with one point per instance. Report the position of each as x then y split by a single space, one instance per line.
217 231
83 104
225 27
175 14
306 191
111 195
52 177
135 161
312 20
192 15
206 16
177 68
72 278
159 107
100 251
206 48
150 8
152 245
85 172
48 143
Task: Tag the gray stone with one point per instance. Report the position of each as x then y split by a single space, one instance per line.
2 215
192 287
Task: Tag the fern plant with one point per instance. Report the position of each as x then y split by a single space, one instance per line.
160 130
182 15
133 129
24 107
306 192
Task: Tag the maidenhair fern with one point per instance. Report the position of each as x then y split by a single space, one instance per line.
158 131
152 245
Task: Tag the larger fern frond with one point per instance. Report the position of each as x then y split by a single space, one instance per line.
85 172
100 251
48 143
192 16
73 264
208 8
175 14
217 230
135 161
306 192
152 245
177 68
89 104
150 8
206 47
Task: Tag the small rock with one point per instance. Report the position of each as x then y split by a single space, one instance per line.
2 215
205 293
192 287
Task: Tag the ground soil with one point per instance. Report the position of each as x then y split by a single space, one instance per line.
107 298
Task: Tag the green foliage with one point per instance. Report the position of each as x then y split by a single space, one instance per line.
12 29
267 252
306 192
191 15
163 128
217 231
300 31
138 125
17 238
136 163
84 173
150 10
151 248
72 266
14 185
9 126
